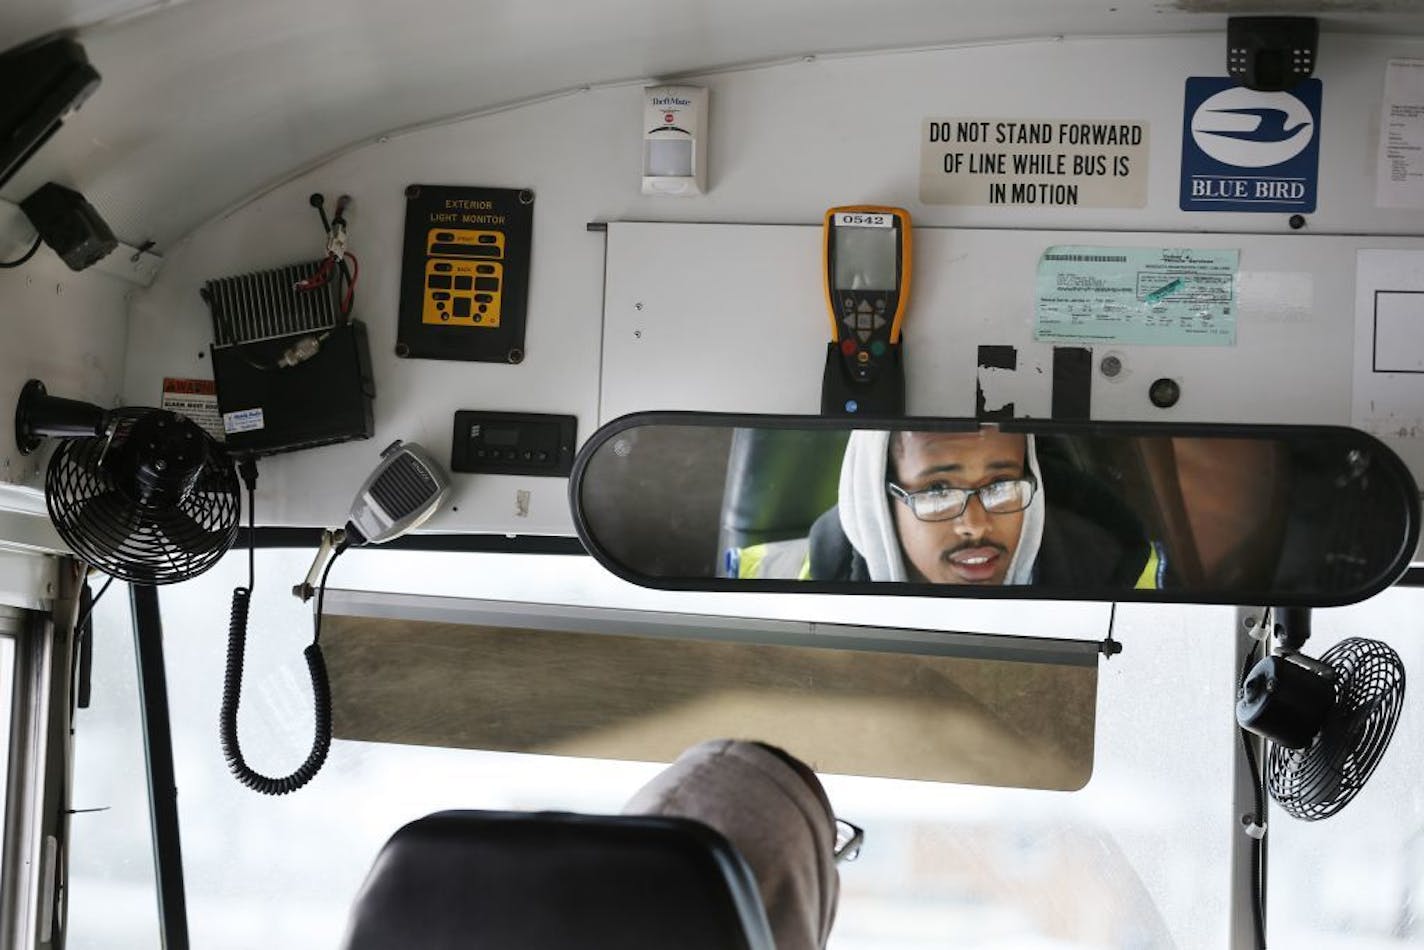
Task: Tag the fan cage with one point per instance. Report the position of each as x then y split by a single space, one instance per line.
1316 782
96 516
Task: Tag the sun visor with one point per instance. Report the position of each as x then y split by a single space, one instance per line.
640 685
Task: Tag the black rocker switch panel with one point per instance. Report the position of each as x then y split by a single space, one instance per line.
513 443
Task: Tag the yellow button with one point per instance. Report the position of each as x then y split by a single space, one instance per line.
863 356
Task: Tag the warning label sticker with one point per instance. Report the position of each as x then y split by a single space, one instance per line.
1078 163
195 398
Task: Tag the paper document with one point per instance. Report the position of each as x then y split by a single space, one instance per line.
1399 181
1162 296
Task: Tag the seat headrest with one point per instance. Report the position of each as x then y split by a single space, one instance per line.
479 880
779 481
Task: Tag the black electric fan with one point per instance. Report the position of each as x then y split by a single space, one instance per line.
1329 721
144 495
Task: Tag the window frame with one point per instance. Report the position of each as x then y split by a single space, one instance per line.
34 858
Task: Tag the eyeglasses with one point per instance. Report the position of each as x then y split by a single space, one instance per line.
942 503
849 838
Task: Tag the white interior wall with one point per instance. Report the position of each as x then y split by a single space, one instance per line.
70 331
786 142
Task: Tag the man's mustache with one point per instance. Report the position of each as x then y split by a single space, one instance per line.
970 546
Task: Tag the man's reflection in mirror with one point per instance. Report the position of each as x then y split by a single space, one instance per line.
977 508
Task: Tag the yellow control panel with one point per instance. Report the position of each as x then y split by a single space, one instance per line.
464 277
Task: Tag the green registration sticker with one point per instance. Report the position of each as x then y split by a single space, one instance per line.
1144 296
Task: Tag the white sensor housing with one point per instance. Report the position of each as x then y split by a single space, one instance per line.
674 140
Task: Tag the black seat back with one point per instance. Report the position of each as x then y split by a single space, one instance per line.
478 880
779 481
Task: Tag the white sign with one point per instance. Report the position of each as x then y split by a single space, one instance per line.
1389 351
1076 163
1399 178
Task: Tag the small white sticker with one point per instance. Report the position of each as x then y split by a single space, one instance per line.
244 420
862 219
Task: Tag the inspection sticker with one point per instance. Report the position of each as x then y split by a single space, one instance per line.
1161 296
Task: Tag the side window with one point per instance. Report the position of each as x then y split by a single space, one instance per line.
7 695
1356 879
112 894
9 625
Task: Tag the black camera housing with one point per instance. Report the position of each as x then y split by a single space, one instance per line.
1271 53
69 225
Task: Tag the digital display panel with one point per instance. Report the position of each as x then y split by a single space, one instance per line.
500 437
864 258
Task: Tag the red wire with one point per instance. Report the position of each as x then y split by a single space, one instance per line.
325 271
322 275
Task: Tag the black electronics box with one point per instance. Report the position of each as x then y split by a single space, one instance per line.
326 399
513 443
40 84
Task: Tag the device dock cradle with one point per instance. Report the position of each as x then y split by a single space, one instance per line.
883 394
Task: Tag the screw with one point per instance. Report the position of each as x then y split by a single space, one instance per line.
1297 221
637 334
526 197
1165 393
412 191
638 305
1111 366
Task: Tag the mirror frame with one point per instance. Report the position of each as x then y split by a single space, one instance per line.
1384 455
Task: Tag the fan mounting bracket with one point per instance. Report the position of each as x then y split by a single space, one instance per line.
25 439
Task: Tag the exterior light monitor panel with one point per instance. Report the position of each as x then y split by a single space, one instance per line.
465 273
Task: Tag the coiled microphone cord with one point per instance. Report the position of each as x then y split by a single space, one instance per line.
232 677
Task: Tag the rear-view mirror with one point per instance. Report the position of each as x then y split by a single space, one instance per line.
1282 515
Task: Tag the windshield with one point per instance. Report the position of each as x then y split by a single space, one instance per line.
1134 859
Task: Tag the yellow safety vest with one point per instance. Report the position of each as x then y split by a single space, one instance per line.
775 560
1154 570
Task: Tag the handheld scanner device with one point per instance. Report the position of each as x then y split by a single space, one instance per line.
867 268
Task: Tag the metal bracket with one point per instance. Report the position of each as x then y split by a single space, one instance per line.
330 541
